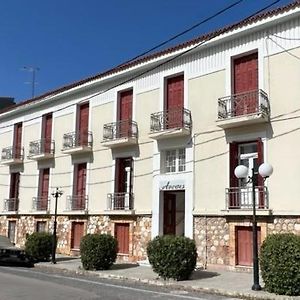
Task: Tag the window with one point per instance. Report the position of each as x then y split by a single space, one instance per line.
174 161
41 226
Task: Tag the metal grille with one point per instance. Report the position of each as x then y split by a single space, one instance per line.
9 153
77 139
40 203
42 146
120 201
77 202
11 204
120 129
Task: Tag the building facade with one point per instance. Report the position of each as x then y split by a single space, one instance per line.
150 147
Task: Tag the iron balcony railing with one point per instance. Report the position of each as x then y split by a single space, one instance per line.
77 202
243 104
11 205
12 153
241 198
77 139
42 146
120 201
177 118
120 129
40 203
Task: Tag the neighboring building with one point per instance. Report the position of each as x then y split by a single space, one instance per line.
6 102
144 155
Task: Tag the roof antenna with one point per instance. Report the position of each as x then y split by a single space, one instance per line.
32 82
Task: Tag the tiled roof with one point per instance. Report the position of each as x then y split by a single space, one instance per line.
127 65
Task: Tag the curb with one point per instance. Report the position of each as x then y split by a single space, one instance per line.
159 282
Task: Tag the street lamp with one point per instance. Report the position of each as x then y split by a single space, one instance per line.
56 194
265 170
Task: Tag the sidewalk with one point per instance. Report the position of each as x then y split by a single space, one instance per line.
219 282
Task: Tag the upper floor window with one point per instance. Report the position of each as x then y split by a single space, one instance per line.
174 160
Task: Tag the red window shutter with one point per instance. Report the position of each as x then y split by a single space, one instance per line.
83 124
77 234
17 140
233 152
80 185
44 188
47 132
14 185
175 92
125 105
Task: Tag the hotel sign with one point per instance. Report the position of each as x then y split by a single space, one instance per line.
172 185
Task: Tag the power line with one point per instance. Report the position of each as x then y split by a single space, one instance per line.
210 37
284 49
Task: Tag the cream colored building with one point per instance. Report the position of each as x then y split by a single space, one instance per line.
150 147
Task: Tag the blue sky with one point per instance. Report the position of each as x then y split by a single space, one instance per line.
69 40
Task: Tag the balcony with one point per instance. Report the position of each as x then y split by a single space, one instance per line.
11 205
120 203
41 149
240 199
171 123
12 155
121 133
243 109
77 142
41 204
77 202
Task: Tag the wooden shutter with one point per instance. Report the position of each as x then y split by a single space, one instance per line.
83 124
244 244
233 157
246 80
17 140
14 185
175 92
124 114
80 185
47 133
77 234
122 236
43 189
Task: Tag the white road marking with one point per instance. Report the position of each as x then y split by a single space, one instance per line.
111 285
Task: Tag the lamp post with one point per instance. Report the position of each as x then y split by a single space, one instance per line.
56 194
265 170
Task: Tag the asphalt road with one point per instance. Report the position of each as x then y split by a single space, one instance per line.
38 284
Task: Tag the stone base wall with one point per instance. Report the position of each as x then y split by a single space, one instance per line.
139 230
284 225
211 235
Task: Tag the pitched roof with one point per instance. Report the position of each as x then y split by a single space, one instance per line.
144 59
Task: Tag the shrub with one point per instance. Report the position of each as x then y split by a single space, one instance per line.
172 256
38 246
280 264
98 251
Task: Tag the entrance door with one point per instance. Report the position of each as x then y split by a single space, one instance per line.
124 114
122 236
12 231
245 81
83 124
244 244
169 213
76 235
174 102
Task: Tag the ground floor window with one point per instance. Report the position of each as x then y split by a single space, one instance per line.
41 226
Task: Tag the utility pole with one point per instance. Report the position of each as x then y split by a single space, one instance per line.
33 70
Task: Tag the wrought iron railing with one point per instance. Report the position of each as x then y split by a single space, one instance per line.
11 205
42 146
120 201
241 197
12 153
120 129
40 203
77 139
77 202
176 118
243 104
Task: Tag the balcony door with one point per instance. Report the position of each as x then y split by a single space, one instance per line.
79 193
245 80
14 191
174 101
83 125
123 182
17 145
124 114
42 203
46 133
